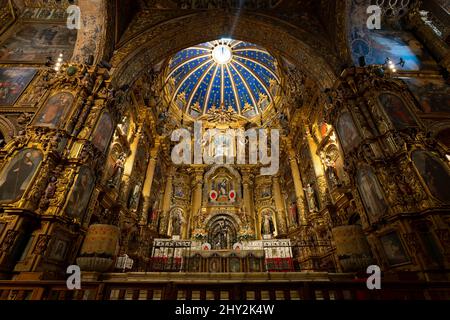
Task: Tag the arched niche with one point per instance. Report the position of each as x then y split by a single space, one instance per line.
177 220
267 222
222 231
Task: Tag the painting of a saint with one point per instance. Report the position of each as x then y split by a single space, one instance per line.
34 42
54 111
348 134
178 191
81 193
371 194
435 174
13 82
266 192
103 132
397 111
17 174
393 248
59 250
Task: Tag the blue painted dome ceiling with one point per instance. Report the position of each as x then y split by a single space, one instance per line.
223 73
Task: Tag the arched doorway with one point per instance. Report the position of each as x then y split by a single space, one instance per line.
222 232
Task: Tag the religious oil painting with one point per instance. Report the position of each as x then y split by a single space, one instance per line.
397 111
435 173
433 94
80 193
393 249
348 134
371 194
13 82
59 250
34 42
16 176
103 132
54 111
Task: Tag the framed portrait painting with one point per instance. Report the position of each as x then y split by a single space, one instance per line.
348 134
371 194
59 250
81 193
434 172
54 111
33 42
18 173
397 111
103 132
13 82
393 249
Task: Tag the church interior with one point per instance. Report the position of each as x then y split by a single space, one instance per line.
136 139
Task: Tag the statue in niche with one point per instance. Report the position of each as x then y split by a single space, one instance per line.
311 197
116 176
154 214
223 188
331 172
222 235
293 213
134 198
267 225
177 221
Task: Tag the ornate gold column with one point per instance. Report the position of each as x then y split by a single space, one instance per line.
281 212
247 181
300 197
318 170
147 188
167 200
196 204
129 164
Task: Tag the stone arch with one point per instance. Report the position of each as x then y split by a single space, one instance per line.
313 54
